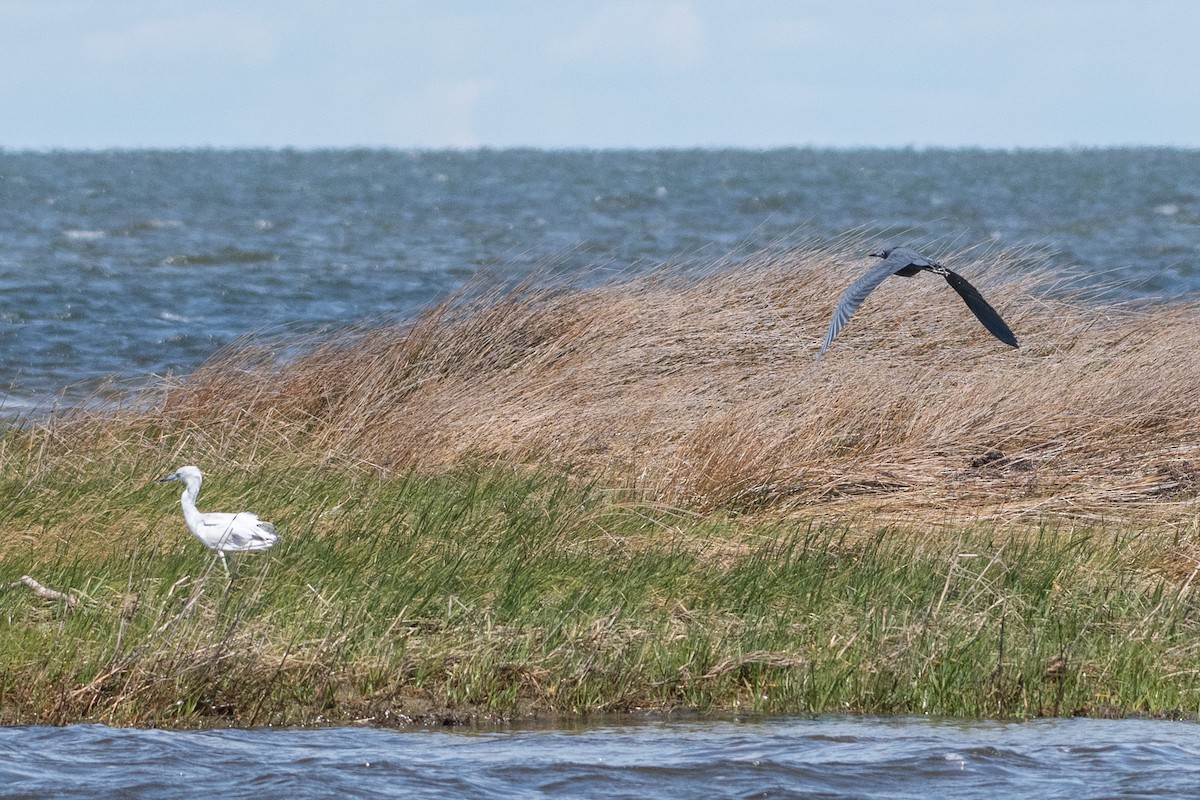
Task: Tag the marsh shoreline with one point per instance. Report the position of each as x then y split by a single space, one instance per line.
639 497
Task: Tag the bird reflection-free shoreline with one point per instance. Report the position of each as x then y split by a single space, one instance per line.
635 496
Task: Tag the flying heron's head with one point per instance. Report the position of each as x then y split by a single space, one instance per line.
882 253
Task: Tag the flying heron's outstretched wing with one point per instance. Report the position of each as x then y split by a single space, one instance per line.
980 307
854 295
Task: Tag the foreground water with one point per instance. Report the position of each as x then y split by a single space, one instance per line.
823 757
136 263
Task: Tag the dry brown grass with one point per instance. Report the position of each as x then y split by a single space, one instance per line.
702 391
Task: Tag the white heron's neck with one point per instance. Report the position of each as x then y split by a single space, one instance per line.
191 514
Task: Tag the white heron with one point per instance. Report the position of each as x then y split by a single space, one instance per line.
223 532
907 262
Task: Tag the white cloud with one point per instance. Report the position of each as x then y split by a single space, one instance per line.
442 114
669 32
209 34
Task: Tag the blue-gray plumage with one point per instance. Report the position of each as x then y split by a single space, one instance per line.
908 262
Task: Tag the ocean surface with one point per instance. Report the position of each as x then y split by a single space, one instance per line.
129 264
825 757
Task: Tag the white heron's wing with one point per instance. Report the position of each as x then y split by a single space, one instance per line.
236 532
857 292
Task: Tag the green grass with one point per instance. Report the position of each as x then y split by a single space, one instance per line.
491 593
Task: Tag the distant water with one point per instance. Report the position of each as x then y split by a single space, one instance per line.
1074 759
134 263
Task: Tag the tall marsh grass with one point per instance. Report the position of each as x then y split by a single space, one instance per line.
637 495
490 595
702 391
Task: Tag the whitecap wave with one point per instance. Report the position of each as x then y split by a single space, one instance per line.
84 235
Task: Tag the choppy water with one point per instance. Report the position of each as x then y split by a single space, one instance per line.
132 263
823 757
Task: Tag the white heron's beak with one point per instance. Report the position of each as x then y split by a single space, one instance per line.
172 477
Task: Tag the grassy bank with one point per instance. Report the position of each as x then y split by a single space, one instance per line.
633 496
499 593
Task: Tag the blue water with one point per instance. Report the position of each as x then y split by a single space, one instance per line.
137 263
823 757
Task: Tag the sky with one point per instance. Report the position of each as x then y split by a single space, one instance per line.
598 73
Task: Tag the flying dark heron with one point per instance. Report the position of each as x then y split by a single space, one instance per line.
908 262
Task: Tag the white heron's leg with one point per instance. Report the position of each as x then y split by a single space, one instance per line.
221 553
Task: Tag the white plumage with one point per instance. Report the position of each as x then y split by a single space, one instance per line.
219 531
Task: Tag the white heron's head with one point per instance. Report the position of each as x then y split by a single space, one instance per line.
187 475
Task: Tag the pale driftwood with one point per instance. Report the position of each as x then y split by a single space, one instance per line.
44 592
